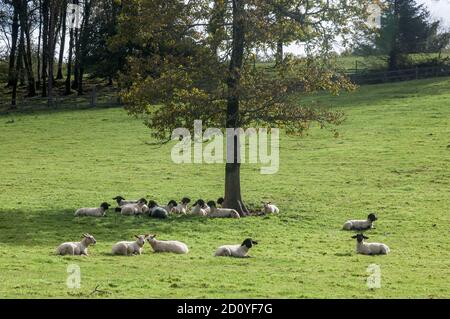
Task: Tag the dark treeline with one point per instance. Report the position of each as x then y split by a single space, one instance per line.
51 44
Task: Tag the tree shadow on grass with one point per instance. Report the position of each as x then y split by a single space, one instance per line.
50 227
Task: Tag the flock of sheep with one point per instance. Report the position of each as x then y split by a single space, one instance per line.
200 208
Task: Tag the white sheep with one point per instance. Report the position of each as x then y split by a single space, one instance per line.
221 212
122 201
269 208
361 225
93 212
170 206
134 209
130 248
200 208
182 208
370 248
238 251
172 246
77 248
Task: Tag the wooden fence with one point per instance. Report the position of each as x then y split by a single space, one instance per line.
374 77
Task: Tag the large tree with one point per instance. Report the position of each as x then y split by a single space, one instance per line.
406 27
181 69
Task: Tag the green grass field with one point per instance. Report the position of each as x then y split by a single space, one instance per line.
392 157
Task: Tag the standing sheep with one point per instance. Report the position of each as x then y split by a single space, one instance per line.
130 248
77 248
361 225
93 212
238 251
172 246
370 248
222 212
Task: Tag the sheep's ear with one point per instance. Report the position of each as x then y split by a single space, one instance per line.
365 237
136 236
354 237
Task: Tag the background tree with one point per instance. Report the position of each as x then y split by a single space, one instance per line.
406 27
174 77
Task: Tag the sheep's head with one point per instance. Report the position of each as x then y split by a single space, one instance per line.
172 203
249 243
266 204
212 203
105 206
145 209
118 199
220 201
140 239
150 237
200 203
143 201
360 237
186 200
89 239
372 217
152 204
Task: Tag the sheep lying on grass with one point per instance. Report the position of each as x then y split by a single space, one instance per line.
238 251
130 248
269 208
157 211
221 212
361 225
135 209
77 248
122 202
200 208
370 248
170 206
159 246
93 212
182 208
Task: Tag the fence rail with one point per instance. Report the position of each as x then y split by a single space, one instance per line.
374 77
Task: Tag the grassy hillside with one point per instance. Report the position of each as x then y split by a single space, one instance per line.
392 157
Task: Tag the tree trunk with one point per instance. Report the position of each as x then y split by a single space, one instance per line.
16 74
14 39
233 197
45 50
20 62
280 53
59 76
38 83
53 20
69 64
23 16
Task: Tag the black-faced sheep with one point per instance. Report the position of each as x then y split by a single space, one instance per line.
369 248
238 251
93 212
361 225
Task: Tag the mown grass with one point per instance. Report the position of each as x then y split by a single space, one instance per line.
392 157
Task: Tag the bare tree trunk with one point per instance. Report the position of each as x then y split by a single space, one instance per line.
16 73
55 6
233 197
38 83
69 64
59 76
23 17
45 50
14 40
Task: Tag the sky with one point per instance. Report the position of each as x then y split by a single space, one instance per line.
439 9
